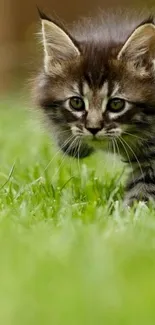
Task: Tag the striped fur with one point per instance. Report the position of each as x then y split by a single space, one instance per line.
111 57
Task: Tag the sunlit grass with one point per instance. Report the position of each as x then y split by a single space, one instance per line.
69 253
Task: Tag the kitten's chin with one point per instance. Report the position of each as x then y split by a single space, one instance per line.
86 147
81 151
98 143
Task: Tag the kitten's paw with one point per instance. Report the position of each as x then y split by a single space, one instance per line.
130 202
127 204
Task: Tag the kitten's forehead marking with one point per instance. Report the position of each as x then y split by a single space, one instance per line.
101 93
87 93
115 90
75 88
104 95
70 91
86 89
104 104
104 89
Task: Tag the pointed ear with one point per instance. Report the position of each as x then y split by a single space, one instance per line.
58 45
140 47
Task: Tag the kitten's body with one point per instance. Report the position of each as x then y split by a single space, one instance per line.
101 61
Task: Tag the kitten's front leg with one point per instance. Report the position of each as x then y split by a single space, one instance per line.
141 186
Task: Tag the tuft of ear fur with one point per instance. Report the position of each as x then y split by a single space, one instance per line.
140 47
58 44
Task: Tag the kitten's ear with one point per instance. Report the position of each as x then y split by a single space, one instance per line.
58 45
140 46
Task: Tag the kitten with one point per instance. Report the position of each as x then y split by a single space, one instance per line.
97 88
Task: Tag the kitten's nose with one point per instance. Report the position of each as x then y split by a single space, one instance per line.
94 130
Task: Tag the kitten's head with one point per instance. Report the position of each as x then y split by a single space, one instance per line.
96 90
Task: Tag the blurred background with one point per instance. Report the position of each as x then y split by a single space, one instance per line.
19 24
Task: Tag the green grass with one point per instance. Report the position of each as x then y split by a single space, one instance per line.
69 253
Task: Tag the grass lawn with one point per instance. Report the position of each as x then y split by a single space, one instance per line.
69 253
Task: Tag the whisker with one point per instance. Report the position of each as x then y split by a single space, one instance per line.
76 153
114 153
64 155
73 149
133 135
135 157
57 152
123 145
79 146
117 146
76 149
108 149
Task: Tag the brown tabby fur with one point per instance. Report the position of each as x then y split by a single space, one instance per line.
132 77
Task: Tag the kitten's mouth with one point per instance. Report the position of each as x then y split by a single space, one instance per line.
107 136
97 142
94 138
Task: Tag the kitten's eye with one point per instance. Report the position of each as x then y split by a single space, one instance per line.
116 105
77 103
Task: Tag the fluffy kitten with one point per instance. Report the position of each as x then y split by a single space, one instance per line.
97 88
